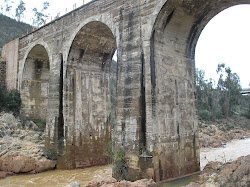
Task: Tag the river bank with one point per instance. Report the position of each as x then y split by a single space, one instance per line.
217 133
217 174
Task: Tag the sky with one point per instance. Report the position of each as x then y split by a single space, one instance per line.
225 39
56 6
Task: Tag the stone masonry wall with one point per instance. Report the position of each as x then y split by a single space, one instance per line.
10 52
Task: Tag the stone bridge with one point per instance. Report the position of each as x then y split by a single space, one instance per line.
62 72
245 91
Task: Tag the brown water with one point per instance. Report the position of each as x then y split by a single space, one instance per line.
180 182
231 151
59 178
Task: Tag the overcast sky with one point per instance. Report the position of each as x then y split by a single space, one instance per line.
225 39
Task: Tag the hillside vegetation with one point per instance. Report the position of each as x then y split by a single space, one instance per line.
11 29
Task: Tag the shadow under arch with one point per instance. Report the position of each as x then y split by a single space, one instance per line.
35 84
172 45
86 98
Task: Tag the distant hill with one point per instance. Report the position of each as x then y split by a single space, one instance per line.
11 29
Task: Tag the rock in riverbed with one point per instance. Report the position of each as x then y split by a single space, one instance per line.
21 147
111 182
236 173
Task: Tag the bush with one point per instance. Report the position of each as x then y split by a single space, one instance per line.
120 165
10 101
218 113
41 125
204 114
13 101
2 96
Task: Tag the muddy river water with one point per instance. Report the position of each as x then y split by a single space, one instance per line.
59 178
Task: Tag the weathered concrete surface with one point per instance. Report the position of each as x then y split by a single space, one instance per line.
10 52
156 123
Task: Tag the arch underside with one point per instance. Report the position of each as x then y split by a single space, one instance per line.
35 84
174 37
87 96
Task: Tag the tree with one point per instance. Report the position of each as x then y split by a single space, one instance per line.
229 88
20 10
204 91
8 5
1 9
219 101
40 16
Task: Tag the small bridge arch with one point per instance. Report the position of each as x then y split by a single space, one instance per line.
35 84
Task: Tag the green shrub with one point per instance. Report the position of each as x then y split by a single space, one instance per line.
204 114
218 113
120 165
3 92
41 125
10 101
13 101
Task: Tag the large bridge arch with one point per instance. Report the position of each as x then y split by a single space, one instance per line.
104 19
34 85
86 111
170 46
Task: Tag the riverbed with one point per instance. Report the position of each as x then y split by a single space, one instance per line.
59 178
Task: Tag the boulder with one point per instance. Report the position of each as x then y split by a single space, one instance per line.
234 173
111 182
30 125
17 163
44 165
10 120
73 184
4 174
